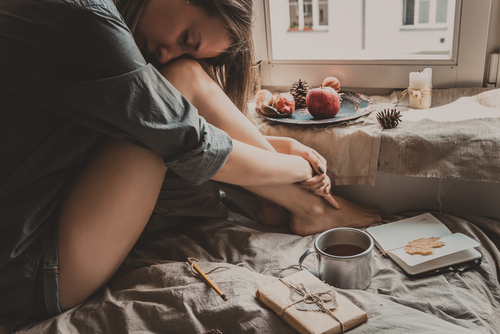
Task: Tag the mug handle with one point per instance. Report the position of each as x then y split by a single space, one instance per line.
303 257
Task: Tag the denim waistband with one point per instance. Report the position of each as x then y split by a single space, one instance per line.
50 271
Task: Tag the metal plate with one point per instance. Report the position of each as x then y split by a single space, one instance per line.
353 105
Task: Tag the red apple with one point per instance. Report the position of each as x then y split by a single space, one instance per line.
323 102
284 103
331 82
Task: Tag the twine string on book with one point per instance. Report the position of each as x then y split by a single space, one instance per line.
319 299
417 94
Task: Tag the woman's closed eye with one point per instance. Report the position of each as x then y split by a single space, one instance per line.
184 40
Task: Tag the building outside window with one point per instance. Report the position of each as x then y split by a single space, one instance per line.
364 38
360 29
425 12
308 15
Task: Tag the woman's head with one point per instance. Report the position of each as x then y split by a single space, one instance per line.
218 31
169 29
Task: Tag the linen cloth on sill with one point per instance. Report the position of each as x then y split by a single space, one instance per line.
458 137
350 148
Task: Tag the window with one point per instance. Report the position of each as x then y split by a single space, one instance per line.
294 15
323 12
372 44
408 12
430 12
360 30
423 11
308 15
441 11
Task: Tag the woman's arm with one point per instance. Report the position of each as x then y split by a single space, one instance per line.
319 184
291 146
248 165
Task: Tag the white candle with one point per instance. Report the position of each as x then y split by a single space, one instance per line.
492 75
420 89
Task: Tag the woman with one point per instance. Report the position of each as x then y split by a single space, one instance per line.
89 130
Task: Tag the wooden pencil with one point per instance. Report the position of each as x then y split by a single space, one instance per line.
208 281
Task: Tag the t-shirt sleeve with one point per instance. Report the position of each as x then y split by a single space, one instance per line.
94 74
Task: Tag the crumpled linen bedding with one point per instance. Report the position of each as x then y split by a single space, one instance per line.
154 291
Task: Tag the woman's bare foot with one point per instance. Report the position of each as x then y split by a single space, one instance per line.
324 217
271 213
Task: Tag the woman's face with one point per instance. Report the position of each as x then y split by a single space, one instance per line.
168 29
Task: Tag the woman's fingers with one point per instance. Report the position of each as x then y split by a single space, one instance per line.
318 178
320 157
320 185
316 161
329 198
322 191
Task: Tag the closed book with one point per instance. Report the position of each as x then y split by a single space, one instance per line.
308 317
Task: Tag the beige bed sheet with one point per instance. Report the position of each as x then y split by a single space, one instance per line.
154 291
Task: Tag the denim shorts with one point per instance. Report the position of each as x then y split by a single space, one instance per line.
46 291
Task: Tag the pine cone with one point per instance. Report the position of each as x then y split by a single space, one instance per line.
299 91
389 119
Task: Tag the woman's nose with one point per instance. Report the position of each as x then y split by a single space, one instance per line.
164 54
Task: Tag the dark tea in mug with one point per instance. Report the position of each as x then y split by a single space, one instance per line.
344 257
343 250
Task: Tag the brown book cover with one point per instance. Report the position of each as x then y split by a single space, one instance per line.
309 305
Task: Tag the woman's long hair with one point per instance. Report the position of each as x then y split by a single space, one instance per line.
233 69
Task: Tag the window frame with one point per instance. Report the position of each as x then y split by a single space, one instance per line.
464 69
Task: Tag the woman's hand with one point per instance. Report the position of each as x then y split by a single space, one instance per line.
293 147
319 184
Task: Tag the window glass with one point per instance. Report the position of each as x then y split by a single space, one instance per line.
441 11
361 30
372 43
323 12
423 12
308 14
408 12
294 15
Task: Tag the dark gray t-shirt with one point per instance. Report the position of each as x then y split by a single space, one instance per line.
70 72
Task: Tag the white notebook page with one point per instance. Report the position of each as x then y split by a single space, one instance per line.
452 243
399 234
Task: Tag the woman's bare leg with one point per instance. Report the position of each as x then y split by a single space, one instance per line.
309 213
104 215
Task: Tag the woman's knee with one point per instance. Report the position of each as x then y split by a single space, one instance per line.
186 75
183 66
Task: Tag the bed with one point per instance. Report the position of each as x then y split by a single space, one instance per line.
155 291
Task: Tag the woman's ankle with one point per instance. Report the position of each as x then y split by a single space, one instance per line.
309 219
272 214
